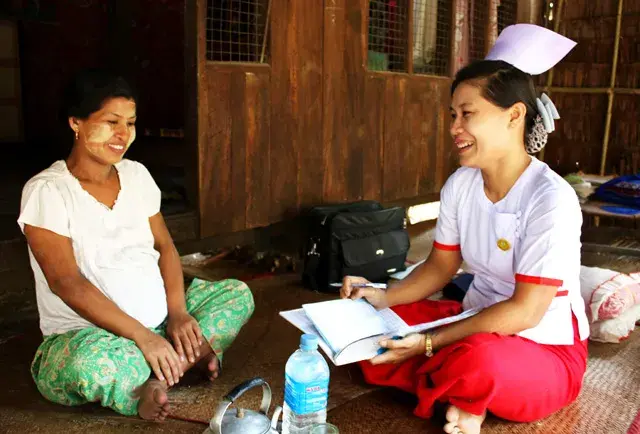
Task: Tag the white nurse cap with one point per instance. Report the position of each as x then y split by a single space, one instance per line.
530 48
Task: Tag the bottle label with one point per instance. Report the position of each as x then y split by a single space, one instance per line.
305 398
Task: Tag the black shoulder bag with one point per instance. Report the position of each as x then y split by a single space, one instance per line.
354 239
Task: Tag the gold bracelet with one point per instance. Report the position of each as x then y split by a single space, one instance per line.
428 345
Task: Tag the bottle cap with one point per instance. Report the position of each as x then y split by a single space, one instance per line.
308 342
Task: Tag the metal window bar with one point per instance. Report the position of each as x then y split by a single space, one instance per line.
237 30
431 36
479 18
507 13
387 35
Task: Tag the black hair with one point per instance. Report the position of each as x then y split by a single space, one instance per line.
503 85
90 88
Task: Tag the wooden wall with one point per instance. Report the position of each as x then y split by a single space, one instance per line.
314 125
143 39
53 46
10 100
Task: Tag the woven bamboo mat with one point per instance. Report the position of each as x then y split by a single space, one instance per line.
635 426
262 349
608 403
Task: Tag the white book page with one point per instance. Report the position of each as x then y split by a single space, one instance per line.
365 349
300 319
392 320
342 322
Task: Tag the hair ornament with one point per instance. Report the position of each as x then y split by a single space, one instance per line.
548 112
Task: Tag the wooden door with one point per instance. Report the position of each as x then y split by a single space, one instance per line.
10 101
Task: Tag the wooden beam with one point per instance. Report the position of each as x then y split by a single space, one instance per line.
529 11
626 91
612 84
266 32
491 30
409 29
556 27
591 90
603 248
196 98
459 35
191 103
230 67
391 74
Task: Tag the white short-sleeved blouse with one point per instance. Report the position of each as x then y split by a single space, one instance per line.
113 247
531 235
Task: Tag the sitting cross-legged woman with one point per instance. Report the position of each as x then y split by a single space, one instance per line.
517 225
118 326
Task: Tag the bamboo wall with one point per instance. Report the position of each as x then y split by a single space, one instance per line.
585 84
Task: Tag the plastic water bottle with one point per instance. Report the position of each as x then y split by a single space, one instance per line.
306 388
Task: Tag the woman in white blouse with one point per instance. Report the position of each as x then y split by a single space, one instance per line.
118 327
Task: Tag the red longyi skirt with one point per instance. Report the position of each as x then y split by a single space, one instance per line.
512 377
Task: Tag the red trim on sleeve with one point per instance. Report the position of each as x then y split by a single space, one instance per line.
538 280
562 293
447 247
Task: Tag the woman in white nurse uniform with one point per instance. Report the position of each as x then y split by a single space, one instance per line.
517 225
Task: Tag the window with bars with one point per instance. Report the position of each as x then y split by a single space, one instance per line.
237 30
388 36
479 19
507 13
431 36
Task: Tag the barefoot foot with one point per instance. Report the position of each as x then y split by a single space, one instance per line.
210 366
461 422
154 403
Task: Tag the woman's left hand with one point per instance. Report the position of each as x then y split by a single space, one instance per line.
185 333
400 350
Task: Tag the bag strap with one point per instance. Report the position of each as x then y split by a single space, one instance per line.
313 261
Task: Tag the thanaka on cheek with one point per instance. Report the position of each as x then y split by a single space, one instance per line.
99 133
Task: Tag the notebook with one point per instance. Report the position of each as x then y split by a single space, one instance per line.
349 330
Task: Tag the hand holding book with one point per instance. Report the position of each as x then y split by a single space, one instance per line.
399 350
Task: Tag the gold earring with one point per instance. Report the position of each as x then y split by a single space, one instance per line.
77 134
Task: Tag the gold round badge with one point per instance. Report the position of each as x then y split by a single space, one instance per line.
503 244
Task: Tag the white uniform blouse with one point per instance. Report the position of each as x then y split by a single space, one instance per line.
531 235
113 247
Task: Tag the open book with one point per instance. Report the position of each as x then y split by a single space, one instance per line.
349 331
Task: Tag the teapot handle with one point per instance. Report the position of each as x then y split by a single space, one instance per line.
235 393
240 389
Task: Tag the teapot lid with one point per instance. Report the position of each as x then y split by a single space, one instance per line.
243 421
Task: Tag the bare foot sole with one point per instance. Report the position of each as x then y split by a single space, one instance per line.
210 366
461 422
154 403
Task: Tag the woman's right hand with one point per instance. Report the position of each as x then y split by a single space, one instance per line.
375 296
161 356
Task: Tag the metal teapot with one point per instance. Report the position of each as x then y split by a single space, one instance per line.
244 421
